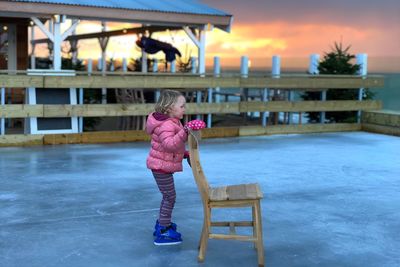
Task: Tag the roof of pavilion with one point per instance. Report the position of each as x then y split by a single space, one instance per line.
149 12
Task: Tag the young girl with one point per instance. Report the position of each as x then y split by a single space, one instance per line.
168 137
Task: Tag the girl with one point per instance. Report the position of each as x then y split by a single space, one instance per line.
168 138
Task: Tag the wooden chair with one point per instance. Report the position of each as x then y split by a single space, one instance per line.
233 196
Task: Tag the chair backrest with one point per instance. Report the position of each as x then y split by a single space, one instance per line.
199 176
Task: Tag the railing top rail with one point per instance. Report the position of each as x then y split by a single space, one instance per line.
257 74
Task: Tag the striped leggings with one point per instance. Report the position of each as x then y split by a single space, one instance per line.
165 183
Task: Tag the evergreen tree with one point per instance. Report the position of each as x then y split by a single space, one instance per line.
338 61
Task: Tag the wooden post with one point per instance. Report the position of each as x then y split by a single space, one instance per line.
3 102
313 70
194 65
33 46
124 65
144 61
103 45
155 70
244 73
217 73
80 102
362 60
57 42
276 72
173 66
90 66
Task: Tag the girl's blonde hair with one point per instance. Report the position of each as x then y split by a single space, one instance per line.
166 100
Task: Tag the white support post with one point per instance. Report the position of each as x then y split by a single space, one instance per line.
290 99
194 65
155 65
74 43
80 119
202 52
244 67
57 44
264 114
362 60
210 100
173 66
313 70
276 72
90 66
202 62
217 73
33 46
124 65
103 45
144 61
155 70
244 73
3 102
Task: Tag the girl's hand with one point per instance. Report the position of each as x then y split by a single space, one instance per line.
195 125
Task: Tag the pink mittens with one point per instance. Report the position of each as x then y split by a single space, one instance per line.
195 125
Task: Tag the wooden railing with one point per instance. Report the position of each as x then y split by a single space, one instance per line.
189 82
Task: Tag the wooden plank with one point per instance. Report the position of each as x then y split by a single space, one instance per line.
236 224
232 237
334 105
183 82
205 108
382 117
96 137
112 110
217 132
298 129
382 129
132 136
21 140
20 81
21 111
147 82
313 82
97 110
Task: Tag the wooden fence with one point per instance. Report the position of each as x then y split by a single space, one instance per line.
183 82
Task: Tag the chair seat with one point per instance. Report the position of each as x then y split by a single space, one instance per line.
236 192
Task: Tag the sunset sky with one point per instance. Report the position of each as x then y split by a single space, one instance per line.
289 28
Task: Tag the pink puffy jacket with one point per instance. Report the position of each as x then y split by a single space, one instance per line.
168 139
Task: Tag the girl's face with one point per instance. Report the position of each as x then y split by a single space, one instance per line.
177 110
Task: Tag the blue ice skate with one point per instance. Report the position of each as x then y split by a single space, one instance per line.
166 236
157 225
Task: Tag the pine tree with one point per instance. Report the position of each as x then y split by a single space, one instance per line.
338 61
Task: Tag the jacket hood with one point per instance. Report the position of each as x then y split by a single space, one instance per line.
154 120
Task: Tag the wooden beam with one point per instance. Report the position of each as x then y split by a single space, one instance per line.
298 129
136 30
184 82
21 111
382 129
21 140
303 106
96 137
382 117
132 136
114 110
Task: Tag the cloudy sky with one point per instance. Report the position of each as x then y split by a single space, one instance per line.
295 29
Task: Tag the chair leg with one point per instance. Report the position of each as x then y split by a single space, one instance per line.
201 236
260 245
204 235
254 218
